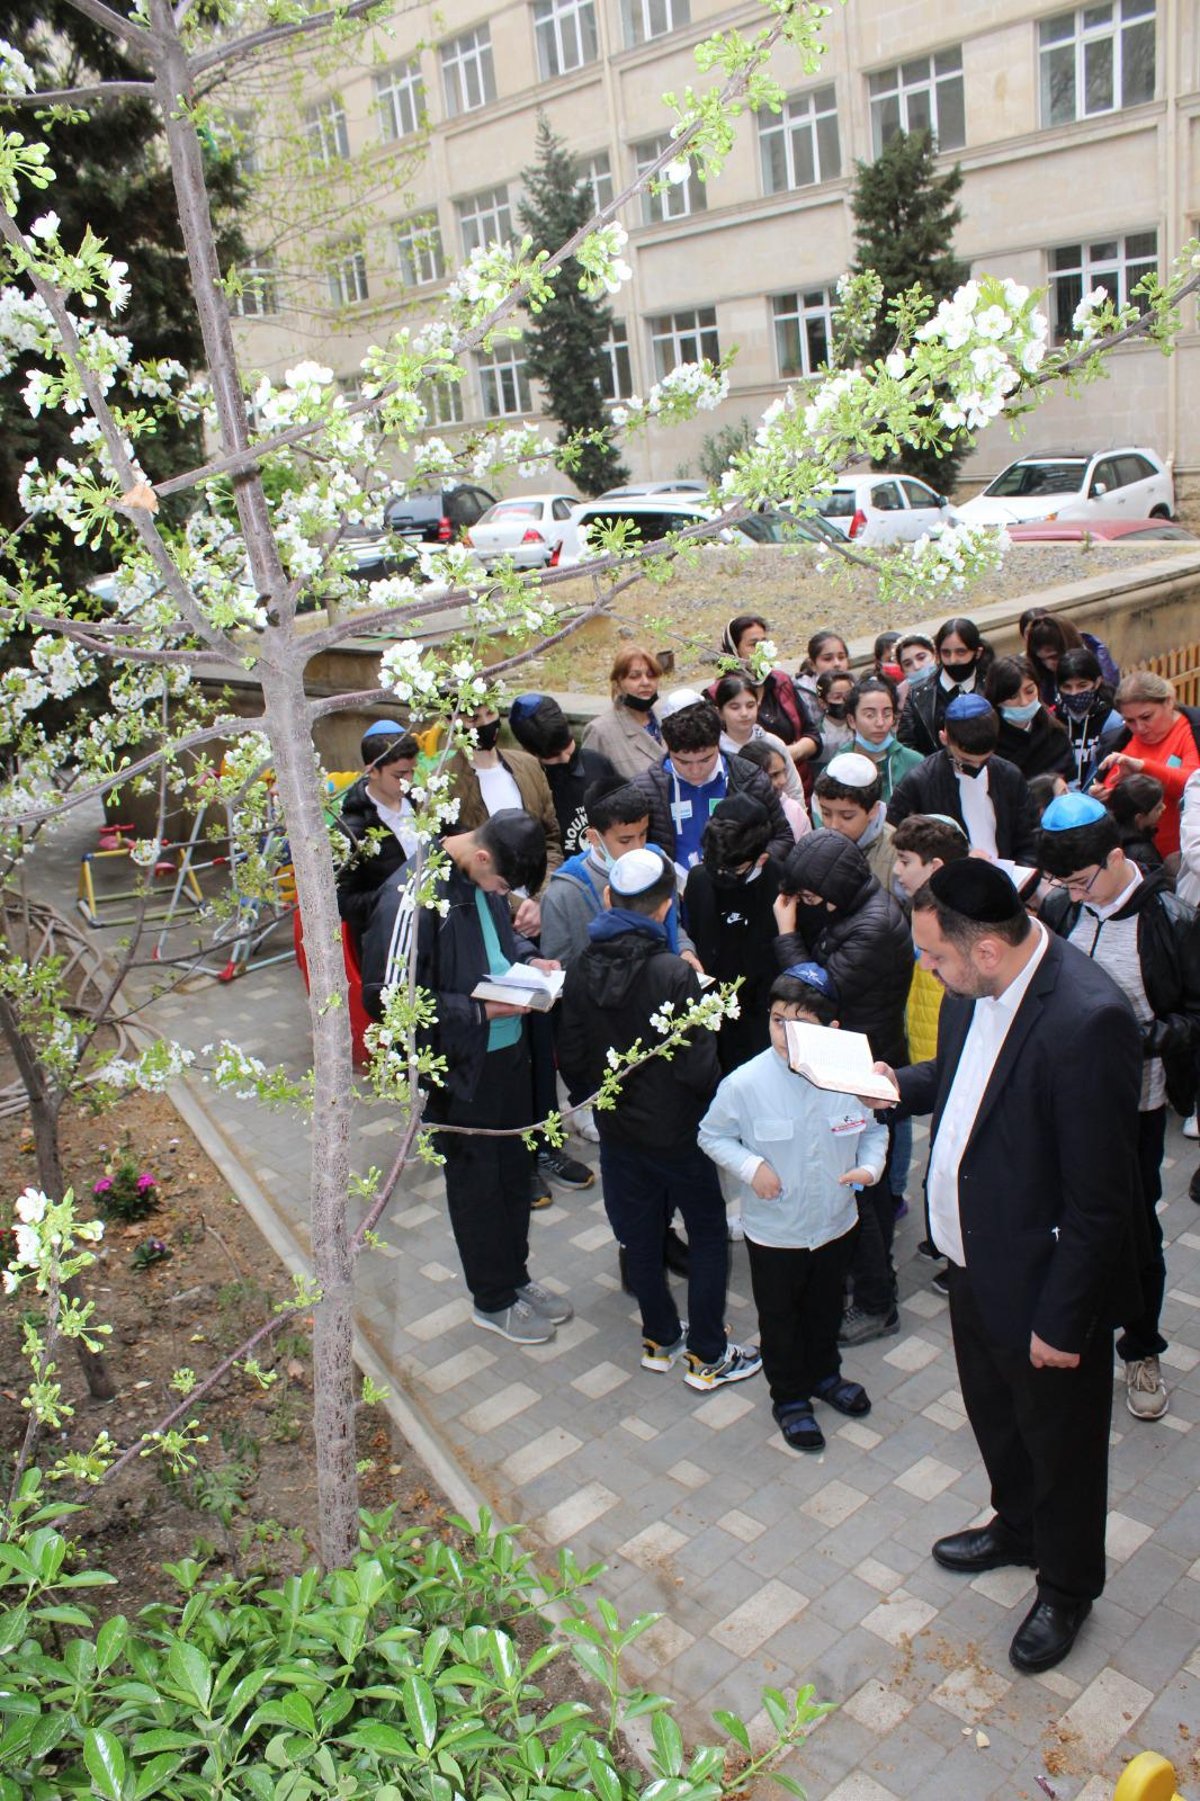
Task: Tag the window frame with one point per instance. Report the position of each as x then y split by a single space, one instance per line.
802 312
617 357
405 235
1080 39
260 279
321 119
596 179
349 257
555 24
637 20
400 84
673 330
801 113
466 53
904 90
505 366
503 210
1089 270
662 207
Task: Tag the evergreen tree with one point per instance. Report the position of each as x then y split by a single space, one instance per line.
563 341
905 217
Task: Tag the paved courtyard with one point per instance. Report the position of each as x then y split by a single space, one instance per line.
767 1567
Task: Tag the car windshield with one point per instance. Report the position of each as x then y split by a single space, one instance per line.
514 509
1062 476
838 505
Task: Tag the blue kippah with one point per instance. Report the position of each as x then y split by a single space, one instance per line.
1066 811
813 976
967 706
392 727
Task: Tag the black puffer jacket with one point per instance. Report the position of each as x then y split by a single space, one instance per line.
742 778
361 875
1168 944
864 944
568 783
608 997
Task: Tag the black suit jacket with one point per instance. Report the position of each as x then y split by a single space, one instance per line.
933 788
1049 1198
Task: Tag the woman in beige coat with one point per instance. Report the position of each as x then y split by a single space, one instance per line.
628 733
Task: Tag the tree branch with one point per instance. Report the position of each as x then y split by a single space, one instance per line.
276 34
136 37
227 728
105 90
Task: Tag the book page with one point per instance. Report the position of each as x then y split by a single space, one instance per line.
524 975
839 1061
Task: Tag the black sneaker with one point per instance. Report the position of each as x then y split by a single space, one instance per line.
555 1166
539 1189
860 1328
1194 1188
929 1251
942 1281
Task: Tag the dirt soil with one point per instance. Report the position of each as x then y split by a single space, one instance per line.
255 1506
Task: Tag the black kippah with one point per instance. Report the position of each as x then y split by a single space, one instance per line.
977 890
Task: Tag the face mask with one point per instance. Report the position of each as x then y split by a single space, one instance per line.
1077 706
640 703
1021 715
925 673
900 891
958 672
836 709
486 735
874 750
967 769
602 854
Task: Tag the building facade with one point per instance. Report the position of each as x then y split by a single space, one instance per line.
1077 129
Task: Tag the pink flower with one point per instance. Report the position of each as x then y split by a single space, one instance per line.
102 1186
145 1181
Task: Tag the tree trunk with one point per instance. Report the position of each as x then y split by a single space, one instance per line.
334 1396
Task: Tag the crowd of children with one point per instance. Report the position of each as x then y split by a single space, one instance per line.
772 833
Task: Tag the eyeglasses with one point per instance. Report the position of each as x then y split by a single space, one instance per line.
1075 883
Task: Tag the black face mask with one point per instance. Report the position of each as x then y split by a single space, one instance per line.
486 735
967 769
836 709
959 672
639 702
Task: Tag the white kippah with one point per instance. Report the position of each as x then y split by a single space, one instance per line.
677 700
852 768
636 871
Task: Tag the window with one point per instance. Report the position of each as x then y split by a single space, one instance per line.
565 31
419 250
676 199
325 133
242 137
349 387
616 379
503 381
1117 264
260 292
803 330
925 94
443 402
1096 60
684 338
400 98
646 19
596 175
347 273
484 218
467 74
799 146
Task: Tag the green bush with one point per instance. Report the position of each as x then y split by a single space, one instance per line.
402 1678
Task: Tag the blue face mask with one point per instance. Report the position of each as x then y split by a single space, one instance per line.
1021 715
874 750
922 674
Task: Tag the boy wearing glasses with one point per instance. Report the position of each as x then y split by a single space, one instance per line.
1148 940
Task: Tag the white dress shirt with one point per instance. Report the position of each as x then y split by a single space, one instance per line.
978 811
990 1024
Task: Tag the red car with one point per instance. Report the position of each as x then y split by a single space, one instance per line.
1076 531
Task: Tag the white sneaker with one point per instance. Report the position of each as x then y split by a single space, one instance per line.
1191 1127
737 1232
584 1126
1145 1391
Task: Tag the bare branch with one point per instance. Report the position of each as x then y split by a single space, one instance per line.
104 90
277 34
135 37
225 728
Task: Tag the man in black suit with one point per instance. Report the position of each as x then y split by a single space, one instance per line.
966 781
1032 1195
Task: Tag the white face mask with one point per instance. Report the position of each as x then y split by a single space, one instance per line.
602 854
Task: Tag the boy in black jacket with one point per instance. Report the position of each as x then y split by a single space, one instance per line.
487 1080
650 1163
1148 940
970 784
378 820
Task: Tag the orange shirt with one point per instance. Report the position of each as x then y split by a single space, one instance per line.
1171 762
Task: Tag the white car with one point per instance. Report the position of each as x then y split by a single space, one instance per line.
1078 484
653 517
528 528
877 509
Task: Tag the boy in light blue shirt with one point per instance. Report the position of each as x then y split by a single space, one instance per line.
794 1154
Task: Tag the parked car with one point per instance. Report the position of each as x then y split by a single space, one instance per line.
1128 483
655 516
1119 531
437 515
526 528
876 509
639 490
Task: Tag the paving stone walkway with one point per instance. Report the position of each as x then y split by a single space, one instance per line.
767 1567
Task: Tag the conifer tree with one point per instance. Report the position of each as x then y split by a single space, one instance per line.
905 217
563 341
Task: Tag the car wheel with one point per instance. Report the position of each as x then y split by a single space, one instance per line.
1160 512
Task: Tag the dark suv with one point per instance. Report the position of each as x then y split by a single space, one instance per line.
437 515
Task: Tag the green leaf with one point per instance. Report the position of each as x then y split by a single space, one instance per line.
151 1744
730 1723
668 1745
105 1762
789 1783
504 1655
599 1767
384 1740
110 1641
420 1710
778 1711
150 1780
191 1670
297 1711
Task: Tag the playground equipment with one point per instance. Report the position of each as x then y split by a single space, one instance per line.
1147 1777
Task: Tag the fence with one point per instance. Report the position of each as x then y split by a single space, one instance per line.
1182 667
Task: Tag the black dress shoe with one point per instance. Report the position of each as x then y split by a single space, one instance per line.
1046 1634
980 1548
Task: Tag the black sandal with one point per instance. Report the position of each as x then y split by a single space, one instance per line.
846 1397
799 1428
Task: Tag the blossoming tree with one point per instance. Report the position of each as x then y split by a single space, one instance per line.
294 465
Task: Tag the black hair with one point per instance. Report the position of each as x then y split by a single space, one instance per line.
1044 789
760 751
613 801
1005 677
516 844
903 643
1133 795
697 727
1049 631
884 642
730 686
1062 853
969 632
790 991
650 899
737 629
1078 666
871 684
977 734
962 932
378 750
827 787
927 838
828 677
738 832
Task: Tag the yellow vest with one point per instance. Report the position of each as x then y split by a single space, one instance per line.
924 1005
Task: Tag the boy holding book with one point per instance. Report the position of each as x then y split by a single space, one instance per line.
796 1154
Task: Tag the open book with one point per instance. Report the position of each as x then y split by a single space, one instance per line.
521 985
840 1061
